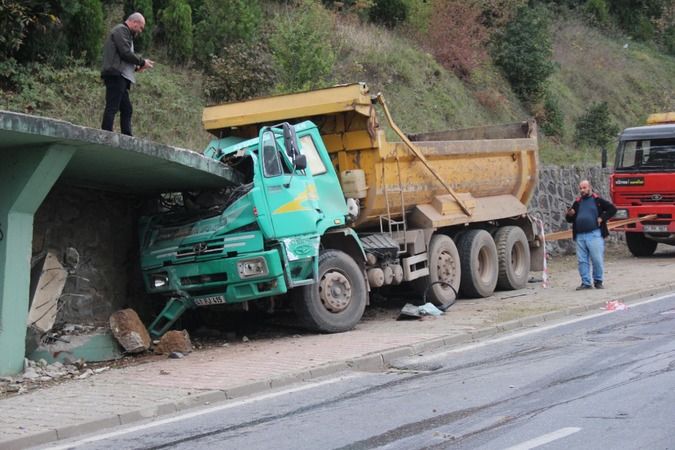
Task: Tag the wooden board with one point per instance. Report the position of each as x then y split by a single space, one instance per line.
567 234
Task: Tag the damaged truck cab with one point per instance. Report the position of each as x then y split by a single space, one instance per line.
264 237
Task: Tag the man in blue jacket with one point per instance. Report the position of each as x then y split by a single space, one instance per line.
120 64
589 215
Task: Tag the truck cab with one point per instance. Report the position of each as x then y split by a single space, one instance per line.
260 238
643 183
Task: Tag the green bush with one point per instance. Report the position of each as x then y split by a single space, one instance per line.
302 49
598 11
595 127
552 119
524 53
388 12
242 72
85 31
177 23
223 22
145 7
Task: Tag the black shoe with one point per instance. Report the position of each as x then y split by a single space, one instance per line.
598 285
584 286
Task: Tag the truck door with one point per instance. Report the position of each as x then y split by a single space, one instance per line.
291 198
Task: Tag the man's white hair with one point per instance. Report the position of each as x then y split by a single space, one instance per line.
136 17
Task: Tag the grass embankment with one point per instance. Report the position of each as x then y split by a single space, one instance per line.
634 80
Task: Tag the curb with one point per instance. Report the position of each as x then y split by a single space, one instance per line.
372 362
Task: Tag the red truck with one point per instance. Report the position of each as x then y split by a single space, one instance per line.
643 183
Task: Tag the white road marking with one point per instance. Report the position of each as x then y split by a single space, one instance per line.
545 438
201 412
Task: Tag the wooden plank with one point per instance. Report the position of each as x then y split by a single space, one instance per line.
567 234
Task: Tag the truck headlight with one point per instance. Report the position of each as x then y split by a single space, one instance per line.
159 280
621 214
253 267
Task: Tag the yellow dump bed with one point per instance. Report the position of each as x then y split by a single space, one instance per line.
492 170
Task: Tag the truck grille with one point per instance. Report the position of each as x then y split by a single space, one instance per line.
200 248
666 197
201 279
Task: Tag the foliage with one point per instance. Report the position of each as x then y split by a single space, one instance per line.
595 127
242 72
223 22
524 52
302 49
457 37
15 20
85 31
388 12
497 13
145 7
598 11
177 21
551 118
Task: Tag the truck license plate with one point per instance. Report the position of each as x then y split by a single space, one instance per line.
206 301
656 228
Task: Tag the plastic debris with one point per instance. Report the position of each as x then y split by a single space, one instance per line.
615 305
428 309
410 311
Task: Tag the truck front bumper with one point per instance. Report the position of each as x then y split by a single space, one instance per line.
223 280
661 229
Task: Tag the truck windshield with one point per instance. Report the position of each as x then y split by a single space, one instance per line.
646 155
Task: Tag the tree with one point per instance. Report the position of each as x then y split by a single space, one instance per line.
388 12
302 48
595 127
177 22
524 52
224 22
85 30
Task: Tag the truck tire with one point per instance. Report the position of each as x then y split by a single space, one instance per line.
337 302
444 266
478 257
639 245
513 256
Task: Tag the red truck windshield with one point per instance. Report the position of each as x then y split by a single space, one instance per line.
646 155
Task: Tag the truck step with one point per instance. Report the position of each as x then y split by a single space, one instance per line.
173 309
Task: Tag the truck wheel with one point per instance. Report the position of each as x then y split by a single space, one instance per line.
444 266
337 302
513 256
639 245
478 257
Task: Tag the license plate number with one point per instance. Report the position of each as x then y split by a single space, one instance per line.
206 301
656 228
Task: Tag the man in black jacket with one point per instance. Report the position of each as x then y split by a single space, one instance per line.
589 215
119 66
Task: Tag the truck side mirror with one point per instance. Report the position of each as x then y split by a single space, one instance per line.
300 162
290 140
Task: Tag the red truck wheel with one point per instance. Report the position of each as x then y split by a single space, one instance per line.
337 302
639 245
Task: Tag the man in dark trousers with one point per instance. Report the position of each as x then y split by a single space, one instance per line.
120 64
589 214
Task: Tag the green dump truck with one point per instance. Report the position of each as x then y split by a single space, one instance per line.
321 209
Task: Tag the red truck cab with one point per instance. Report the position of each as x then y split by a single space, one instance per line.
643 183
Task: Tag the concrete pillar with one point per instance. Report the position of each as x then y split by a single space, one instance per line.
27 175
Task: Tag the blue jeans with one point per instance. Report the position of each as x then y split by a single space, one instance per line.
590 250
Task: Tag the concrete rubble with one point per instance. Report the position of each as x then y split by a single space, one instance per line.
129 331
174 342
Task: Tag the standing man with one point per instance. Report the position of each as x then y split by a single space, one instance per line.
589 214
119 66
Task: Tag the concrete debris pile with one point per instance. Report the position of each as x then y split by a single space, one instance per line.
174 342
39 373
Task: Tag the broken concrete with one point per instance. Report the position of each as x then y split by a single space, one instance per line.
174 341
50 283
94 346
129 331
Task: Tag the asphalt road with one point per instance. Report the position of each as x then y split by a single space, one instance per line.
600 382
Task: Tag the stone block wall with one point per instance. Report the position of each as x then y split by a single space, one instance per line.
556 190
102 228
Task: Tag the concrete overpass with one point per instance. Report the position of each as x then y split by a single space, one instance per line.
37 152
